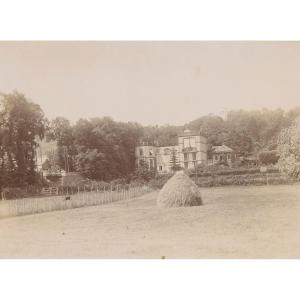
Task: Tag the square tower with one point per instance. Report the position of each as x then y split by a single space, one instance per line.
192 149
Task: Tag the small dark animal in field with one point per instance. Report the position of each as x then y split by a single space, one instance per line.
68 198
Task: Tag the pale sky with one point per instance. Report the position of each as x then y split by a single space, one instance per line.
152 82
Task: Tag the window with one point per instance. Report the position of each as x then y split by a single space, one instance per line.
186 143
141 152
194 157
193 142
150 152
167 151
160 168
216 157
185 155
189 142
228 156
151 164
186 165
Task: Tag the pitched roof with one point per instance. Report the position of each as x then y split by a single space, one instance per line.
221 149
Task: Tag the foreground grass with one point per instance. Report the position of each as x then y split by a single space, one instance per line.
234 222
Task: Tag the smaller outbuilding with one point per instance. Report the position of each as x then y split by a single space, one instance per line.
222 155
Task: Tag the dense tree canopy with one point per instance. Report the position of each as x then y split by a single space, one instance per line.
105 148
21 121
61 131
289 150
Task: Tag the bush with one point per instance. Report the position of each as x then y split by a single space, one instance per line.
217 170
159 180
245 179
268 157
15 193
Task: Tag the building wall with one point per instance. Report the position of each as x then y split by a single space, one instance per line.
193 150
164 156
147 154
225 157
190 152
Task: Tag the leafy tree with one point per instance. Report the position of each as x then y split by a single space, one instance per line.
61 131
160 135
143 172
21 121
105 148
268 157
289 150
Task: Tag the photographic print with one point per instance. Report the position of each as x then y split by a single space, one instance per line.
159 150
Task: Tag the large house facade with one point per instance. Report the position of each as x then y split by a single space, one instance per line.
190 151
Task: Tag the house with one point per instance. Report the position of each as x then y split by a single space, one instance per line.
190 151
222 155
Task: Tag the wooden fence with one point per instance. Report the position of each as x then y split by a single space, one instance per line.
27 206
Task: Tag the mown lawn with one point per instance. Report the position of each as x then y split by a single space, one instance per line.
234 222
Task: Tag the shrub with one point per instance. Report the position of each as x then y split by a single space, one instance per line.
268 157
245 179
159 180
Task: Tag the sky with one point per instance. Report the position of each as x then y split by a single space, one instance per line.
152 82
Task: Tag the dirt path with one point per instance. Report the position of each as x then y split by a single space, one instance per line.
234 222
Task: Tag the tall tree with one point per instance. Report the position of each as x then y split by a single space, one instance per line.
21 121
289 150
106 149
62 132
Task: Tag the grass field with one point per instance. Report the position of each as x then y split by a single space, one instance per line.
234 222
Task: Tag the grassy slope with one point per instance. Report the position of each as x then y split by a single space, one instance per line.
234 222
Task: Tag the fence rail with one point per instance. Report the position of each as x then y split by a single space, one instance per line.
27 206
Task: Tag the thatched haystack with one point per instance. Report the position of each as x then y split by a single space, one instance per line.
180 190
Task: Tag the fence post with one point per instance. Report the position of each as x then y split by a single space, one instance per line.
111 195
23 206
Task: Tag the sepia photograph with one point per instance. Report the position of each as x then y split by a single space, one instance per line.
150 149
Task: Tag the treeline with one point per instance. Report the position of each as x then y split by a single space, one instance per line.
99 148
103 149
247 132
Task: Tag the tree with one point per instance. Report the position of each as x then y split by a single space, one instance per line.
21 121
268 157
61 131
174 161
143 172
289 150
105 148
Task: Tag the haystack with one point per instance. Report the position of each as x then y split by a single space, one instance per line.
180 190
